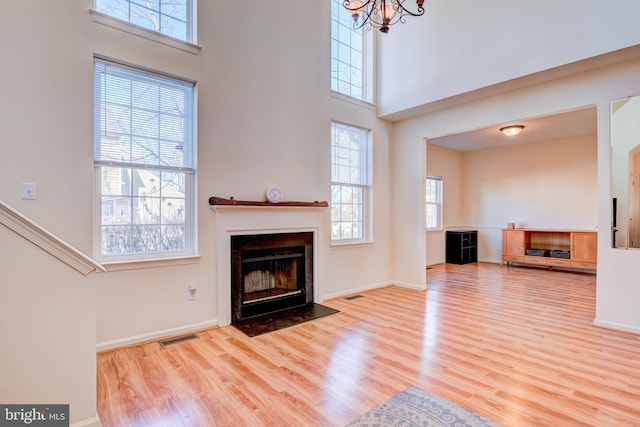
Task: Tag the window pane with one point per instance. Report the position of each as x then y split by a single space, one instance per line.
433 198
141 114
173 27
113 182
347 47
155 201
172 211
173 237
116 8
347 212
118 209
143 153
175 8
349 175
173 184
146 238
169 17
144 17
116 240
146 210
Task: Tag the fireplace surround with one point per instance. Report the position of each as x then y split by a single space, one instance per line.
237 219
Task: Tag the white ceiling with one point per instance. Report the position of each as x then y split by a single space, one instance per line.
568 124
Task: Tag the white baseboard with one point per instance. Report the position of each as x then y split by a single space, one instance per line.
374 286
137 339
616 326
89 422
413 286
356 290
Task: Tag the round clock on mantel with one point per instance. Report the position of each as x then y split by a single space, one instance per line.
274 194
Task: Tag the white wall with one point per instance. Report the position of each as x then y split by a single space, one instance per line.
448 165
48 330
551 184
464 45
407 203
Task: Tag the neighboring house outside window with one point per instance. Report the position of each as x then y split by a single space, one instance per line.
350 183
434 203
350 64
144 158
174 18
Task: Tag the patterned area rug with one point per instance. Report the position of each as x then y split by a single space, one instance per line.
416 407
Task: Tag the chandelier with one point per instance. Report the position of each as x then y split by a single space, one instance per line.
380 13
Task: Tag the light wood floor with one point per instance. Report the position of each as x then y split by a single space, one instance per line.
514 344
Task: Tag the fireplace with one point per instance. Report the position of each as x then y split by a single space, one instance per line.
270 272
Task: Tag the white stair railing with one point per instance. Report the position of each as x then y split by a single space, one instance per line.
47 241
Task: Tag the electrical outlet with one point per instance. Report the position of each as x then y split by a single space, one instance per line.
192 292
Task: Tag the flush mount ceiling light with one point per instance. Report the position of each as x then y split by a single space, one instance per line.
512 130
380 13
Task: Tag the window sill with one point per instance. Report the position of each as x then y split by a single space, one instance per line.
352 100
149 263
136 30
347 245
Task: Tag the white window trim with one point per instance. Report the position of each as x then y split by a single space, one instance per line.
440 226
352 100
150 263
367 226
136 30
344 244
366 222
370 69
369 72
146 260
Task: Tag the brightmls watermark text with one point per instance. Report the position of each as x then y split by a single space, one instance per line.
34 415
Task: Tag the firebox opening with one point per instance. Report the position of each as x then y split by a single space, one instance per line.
270 272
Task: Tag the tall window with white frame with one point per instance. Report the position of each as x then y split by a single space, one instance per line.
350 183
174 18
144 159
434 203
349 62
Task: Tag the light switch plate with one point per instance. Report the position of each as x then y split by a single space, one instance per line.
28 191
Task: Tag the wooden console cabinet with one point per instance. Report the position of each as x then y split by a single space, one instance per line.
581 245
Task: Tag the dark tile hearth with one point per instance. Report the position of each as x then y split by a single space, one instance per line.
270 322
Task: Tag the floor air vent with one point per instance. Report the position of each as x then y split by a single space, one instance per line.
353 297
178 339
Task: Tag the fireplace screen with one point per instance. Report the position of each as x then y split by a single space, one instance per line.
271 276
270 272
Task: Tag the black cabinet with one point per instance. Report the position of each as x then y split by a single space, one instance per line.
462 246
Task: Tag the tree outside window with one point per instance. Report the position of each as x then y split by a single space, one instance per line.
169 17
